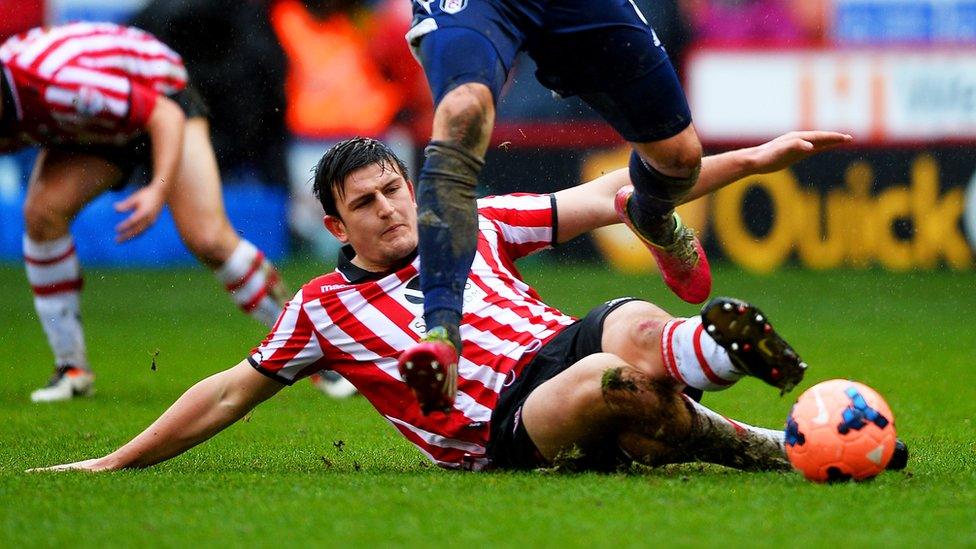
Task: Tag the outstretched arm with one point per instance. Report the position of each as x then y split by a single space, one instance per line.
590 205
203 411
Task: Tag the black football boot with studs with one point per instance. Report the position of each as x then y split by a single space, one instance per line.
753 345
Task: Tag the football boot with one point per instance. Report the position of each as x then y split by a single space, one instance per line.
682 261
67 382
753 345
429 368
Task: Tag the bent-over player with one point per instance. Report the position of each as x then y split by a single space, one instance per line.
102 100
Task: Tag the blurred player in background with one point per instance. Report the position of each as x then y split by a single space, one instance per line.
536 387
102 101
603 51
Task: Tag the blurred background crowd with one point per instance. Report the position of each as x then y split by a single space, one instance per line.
284 78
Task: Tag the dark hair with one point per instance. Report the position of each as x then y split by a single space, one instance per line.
342 159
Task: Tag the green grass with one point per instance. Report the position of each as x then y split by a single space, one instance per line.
283 478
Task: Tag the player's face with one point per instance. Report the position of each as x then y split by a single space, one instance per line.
377 216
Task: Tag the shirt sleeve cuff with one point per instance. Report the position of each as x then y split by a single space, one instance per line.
268 373
555 220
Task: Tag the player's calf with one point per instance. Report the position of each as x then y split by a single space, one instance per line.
752 344
636 398
254 283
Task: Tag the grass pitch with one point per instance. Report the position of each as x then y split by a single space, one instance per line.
304 469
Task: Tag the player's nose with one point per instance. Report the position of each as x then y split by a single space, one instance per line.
384 206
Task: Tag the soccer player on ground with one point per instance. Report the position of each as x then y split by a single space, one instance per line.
535 384
605 52
102 100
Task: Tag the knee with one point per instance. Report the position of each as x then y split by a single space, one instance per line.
633 332
42 222
211 247
679 156
465 114
645 333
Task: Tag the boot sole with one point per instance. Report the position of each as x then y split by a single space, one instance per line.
426 379
752 343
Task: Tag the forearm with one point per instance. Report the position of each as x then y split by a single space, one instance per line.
165 128
588 206
720 170
203 411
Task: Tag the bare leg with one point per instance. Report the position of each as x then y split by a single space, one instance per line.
447 223
447 216
712 438
663 172
198 210
602 400
62 183
586 406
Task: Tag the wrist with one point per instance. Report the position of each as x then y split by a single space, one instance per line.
111 462
749 161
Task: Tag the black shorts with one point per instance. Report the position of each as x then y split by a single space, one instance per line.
602 50
134 159
510 446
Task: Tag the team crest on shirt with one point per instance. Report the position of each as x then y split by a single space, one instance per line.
413 294
453 6
89 102
415 301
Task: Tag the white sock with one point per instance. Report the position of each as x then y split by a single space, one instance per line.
692 357
55 278
718 439
253 282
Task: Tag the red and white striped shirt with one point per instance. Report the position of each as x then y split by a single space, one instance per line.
357 323
85 83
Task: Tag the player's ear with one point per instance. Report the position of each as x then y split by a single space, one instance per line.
335 226
413 195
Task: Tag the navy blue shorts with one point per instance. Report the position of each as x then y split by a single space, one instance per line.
602 50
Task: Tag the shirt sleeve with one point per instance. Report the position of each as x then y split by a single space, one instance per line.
291 351
526 222
142 101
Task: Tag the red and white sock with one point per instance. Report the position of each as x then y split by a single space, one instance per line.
692 357
253 282
55 278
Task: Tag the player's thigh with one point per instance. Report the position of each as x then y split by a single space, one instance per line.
471 41
196 201
62 182
455 56
570 408
632 332
607 54
651 107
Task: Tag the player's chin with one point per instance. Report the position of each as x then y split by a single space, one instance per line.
396 253
399 246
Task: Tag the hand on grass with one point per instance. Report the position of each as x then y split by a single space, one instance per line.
89 465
